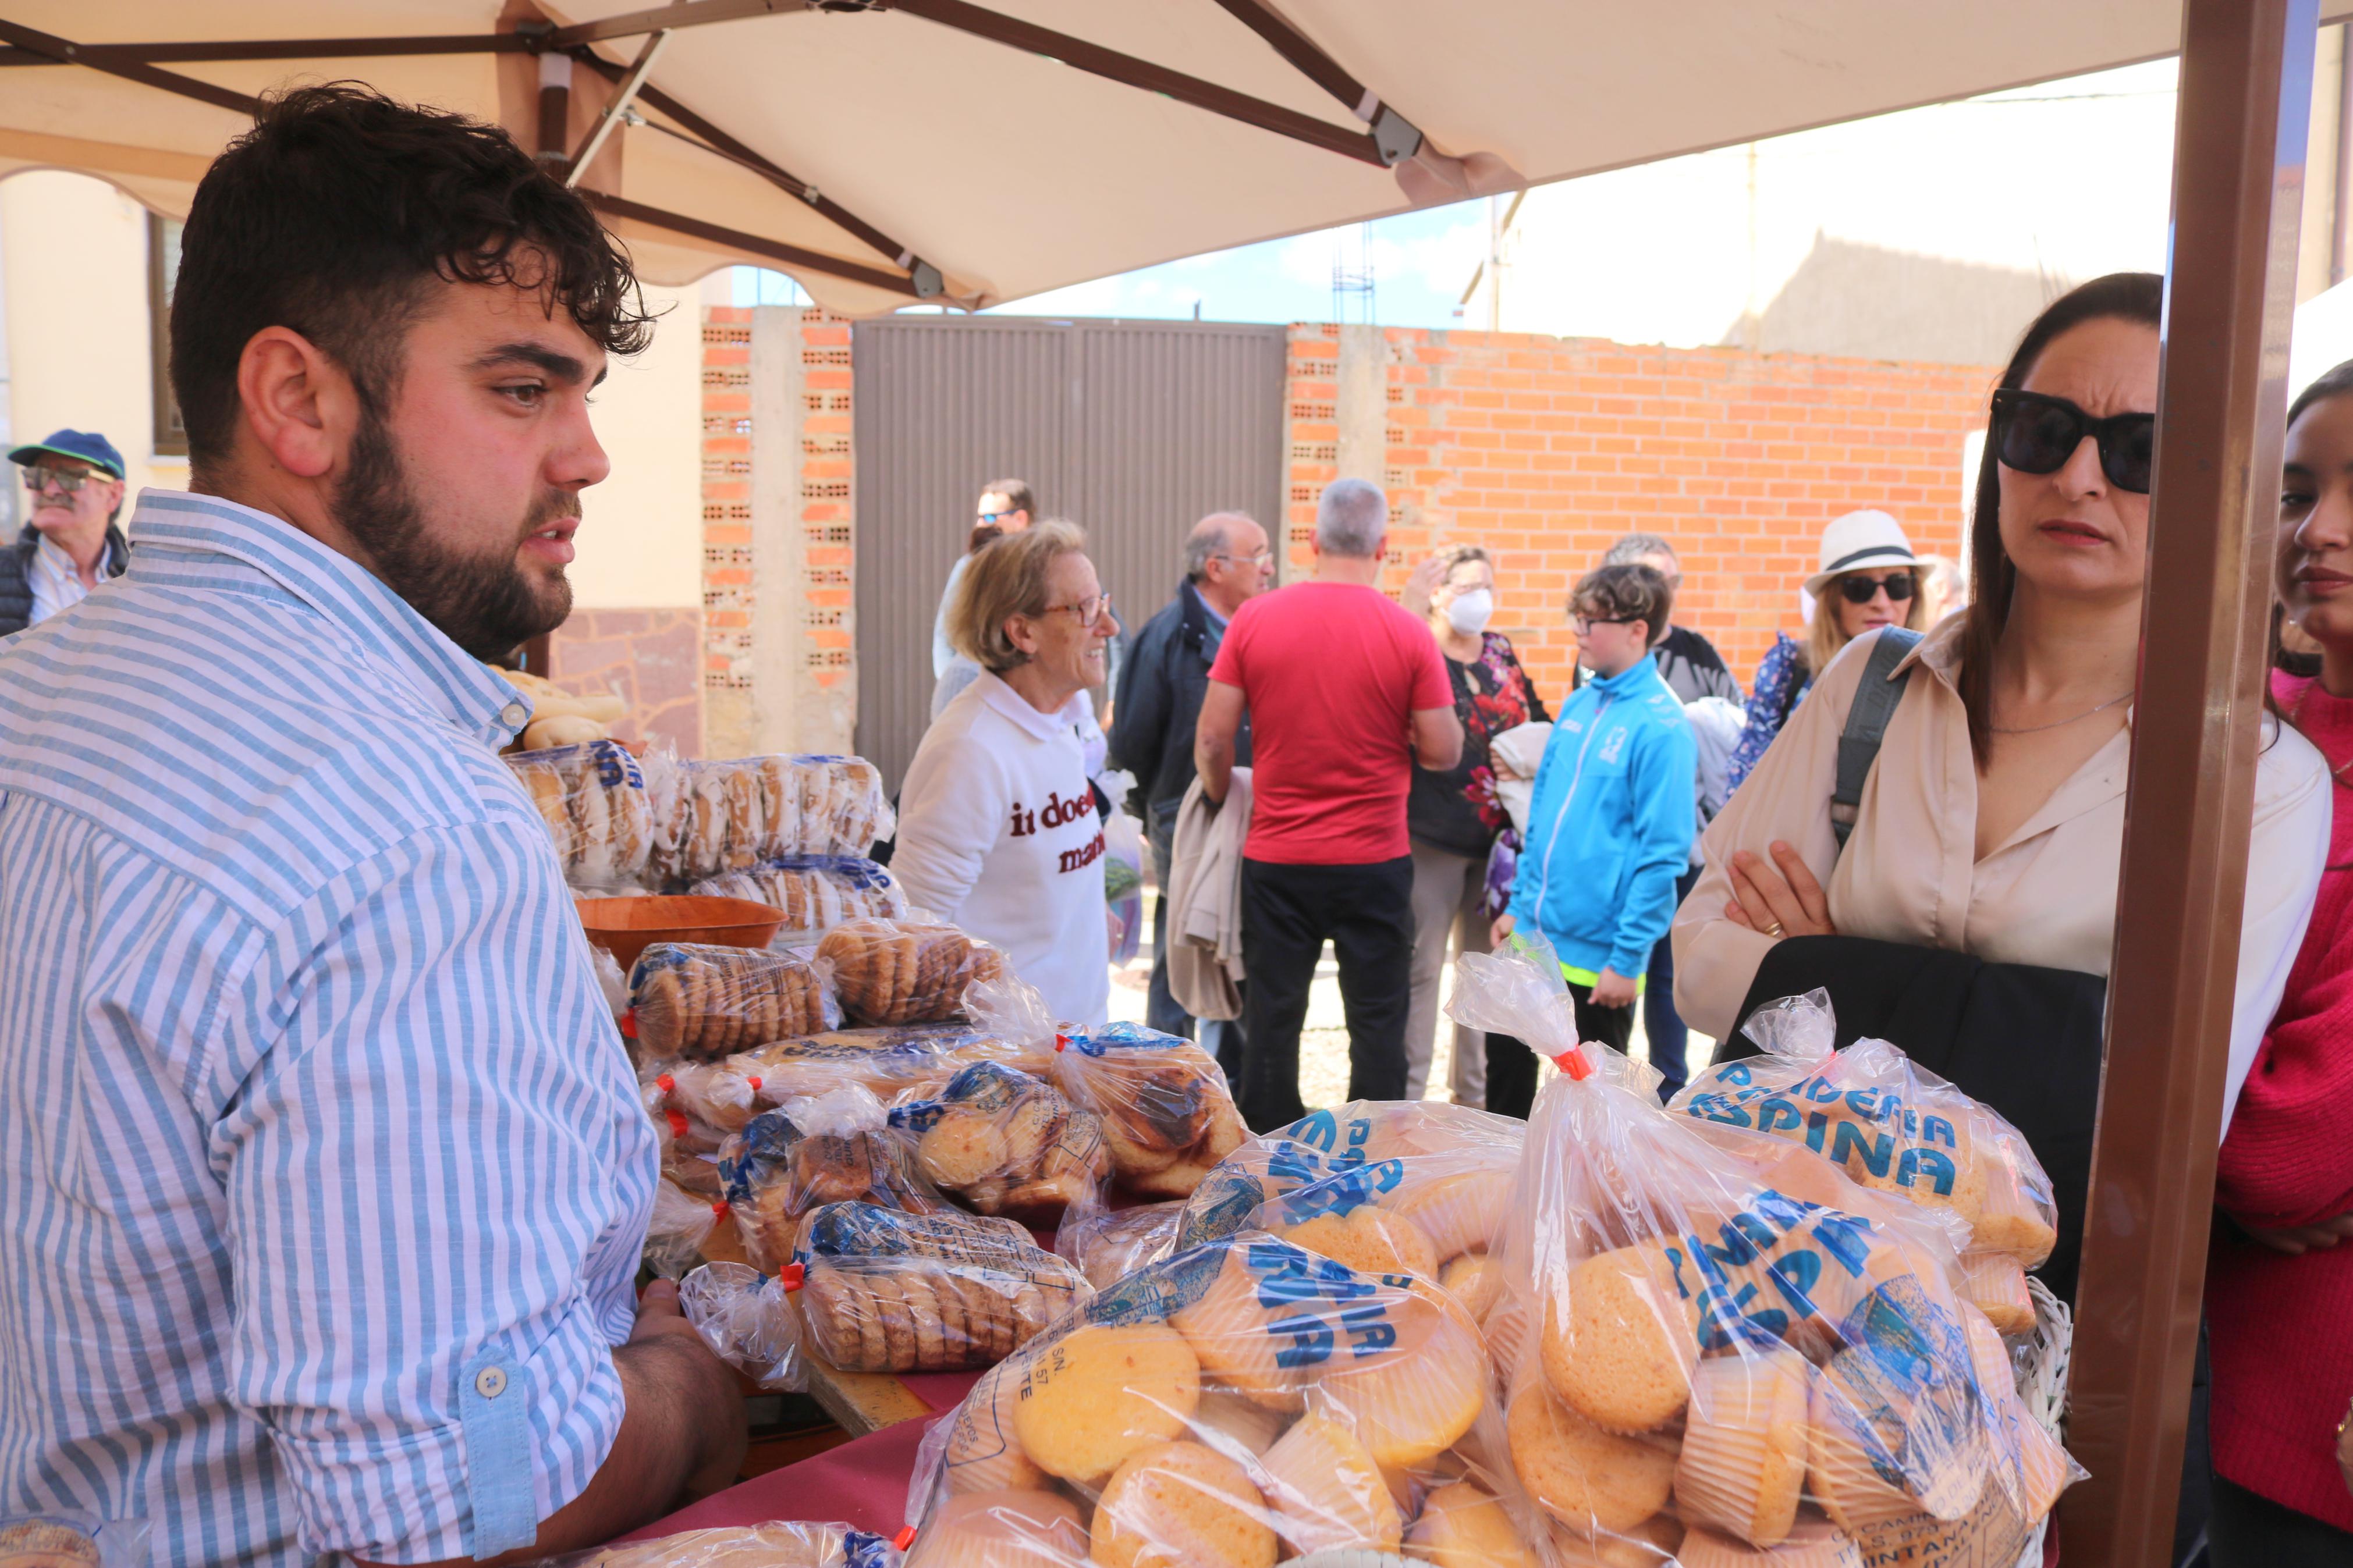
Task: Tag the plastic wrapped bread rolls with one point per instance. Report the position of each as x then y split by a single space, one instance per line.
1885 1121
594 800
1234 1403
887 1291
1706 1332
1006 1142
703 1002
817 892
904 972
1167 1114
789 1163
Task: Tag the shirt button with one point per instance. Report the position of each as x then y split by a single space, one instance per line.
489 1383
513 714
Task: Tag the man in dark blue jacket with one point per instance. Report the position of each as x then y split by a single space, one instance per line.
1161 683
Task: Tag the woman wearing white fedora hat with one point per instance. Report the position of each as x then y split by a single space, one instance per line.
1869 579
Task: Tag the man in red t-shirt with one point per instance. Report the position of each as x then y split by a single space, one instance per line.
1345 693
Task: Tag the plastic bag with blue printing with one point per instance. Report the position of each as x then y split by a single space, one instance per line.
1715 1344
777 1545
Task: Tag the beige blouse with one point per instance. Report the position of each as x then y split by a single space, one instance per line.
2046 895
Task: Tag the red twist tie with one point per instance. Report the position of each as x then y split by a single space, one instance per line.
904 1539
666 1083
754 1083
676 1123
791 1275
629 1025
1573 1062
1062 1041
720 1211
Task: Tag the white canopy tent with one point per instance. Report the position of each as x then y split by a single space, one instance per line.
887 151
882 151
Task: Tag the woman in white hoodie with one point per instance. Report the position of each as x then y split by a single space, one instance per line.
997 826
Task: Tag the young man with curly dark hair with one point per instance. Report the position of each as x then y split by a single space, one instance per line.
325 1177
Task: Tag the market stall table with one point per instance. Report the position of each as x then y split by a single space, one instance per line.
863 1483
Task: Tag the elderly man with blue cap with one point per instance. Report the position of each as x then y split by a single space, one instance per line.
73 483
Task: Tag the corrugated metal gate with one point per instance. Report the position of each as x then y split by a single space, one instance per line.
1131 429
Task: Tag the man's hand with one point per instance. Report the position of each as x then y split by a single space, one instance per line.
1500 931
1213 738
725 1430
1611 989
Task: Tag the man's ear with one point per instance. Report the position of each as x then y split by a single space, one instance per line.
299 405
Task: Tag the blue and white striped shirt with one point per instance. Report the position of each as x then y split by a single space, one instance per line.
322 1177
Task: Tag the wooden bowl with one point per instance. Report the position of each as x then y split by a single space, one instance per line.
627 926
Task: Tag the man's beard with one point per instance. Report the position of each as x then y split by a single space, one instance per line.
486 602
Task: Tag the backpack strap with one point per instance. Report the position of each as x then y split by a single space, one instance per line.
1876 697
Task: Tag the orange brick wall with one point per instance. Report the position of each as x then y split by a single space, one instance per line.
1544 451
825 592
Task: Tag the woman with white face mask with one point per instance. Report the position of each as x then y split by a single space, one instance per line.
1455 817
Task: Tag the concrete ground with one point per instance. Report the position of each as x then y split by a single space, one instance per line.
1323 1046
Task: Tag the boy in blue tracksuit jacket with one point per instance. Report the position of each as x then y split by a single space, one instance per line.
1610 825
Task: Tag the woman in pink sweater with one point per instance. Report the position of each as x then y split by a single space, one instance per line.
2279 1292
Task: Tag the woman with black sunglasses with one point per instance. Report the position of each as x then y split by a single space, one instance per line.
1960 901
1869 579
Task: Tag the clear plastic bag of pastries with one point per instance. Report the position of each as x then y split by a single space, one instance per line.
729 813
1892 1125
1235 1403
703 1002
594 800
1003 1141
1711 1339
775 1544
905 970
1167 1116
680 1232
1387 1186
1108 1245
787 1164
901 1062
817 892
884 1290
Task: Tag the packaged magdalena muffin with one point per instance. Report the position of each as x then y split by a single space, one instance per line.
1385 1186
1715 1337
1890 1125
1237 1402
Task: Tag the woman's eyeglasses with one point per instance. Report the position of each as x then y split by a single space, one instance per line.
2036 434
1089 611
1861 587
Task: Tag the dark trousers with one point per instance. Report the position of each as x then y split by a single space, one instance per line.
1670 1037
2247 1530
1512 1067
1366 911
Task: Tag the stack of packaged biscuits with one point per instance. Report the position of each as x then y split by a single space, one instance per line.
1385 1186
1002 1142
1108 1245
1892 1125
773 1546
904 972
732 814
1226 1405
787 1164
817 892
905 1062
595 801
1713 1343
703 1002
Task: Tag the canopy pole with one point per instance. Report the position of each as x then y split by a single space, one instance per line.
2246 98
